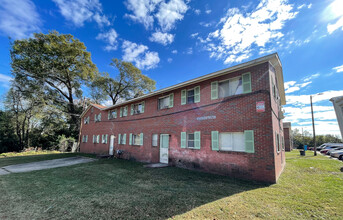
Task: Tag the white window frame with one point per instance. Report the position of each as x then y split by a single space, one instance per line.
163 97
187 140
233 148
187 102
134 136
152 140
112 115
138 112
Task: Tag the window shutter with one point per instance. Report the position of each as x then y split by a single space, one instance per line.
125 110
102 138
106 139
197 94
141 139
131 109
86 138
95 119
197 140
171 100
183 97
249 141
246 79
121 112
183 139
214 90
98 139
130 139
109 115
143 107
115 114
119 138
99 117
93 139
215 140
124 138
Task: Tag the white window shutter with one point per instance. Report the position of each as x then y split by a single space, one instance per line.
197 140
119 135
143 107
130 139
183 140
249 141
246 82
131 109
215 140
214 90
183 97
121 112
197 94
171 100
142 138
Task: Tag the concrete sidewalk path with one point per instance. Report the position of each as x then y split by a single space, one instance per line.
45 164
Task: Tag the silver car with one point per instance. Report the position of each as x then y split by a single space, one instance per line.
337 154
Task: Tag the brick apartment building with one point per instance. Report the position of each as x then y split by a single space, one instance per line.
227 122
287 131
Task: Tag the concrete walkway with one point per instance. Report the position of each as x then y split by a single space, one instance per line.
42 165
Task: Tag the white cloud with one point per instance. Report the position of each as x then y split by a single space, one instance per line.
5 80
338 68
142 11
170 12
162 38
301 100
208 11
293 86
334 13
194 35
19 19
304 5
170 60
189 51
313 76
206 24
240 30
140 55
289 84
174 51
197 11
80 11
111 38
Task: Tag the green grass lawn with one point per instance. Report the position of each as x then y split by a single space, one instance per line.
310 187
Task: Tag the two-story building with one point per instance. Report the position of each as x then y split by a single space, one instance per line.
227 122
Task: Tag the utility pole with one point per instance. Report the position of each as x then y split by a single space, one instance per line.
314 132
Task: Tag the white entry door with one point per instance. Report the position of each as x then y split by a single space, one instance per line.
111 145
164 148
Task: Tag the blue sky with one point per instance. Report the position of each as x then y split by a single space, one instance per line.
176 40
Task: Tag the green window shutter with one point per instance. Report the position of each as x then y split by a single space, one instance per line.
143 107
215 140
109 115
130 139
119 138
141 139
246 79
249 141
124 138
95 118
131 109
115 114
86 138
183 97
121 112
171 100
214 90
93 139
99 117
197 94
197 140
125 110
183 139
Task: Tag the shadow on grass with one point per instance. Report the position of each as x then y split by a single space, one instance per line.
113 189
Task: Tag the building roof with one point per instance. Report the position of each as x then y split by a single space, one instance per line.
97 105
273 59
336 99
287 125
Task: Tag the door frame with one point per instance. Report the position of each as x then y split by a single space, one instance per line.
167 147
111 143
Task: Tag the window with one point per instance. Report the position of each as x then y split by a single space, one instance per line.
277 138
191 140
283 143
230 87
121 138
233 86
97 117
136 139
166 102
86 120
155 140
123 111
96 139
104 138
112 114
137 108
84 138
190 95
231 141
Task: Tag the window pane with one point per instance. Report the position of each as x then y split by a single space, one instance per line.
230 87
136 139
223 88
225 141
164 103
238 141
232 141
190 140
190 96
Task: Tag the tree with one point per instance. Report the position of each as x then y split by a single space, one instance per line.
8 139
55 66
129 83
299 140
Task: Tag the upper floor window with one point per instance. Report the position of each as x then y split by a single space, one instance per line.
86 120
166 102
233 86
123 111
84 138
190 95
112 114
92 109
137 108
97 117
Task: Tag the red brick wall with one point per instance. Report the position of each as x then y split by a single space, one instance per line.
233 114
288 141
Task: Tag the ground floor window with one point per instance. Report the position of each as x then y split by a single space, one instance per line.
121 138
96 139
84 138
231 141
136 139
191 140
104 138
155 140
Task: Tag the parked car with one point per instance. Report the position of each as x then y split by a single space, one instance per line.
321 147
337 154
329 152
327 148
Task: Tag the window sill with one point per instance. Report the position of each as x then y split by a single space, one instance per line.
233 152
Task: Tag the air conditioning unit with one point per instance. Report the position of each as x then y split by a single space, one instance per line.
281 114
